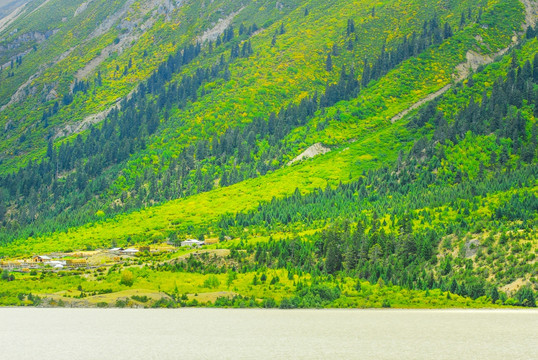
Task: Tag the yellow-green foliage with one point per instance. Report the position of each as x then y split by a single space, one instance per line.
359 131
150 283
372 134
342 164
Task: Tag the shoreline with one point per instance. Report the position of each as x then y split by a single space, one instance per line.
447 309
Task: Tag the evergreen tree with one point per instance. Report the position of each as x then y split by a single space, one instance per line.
462 20
350 27
335 50
329 63
50 150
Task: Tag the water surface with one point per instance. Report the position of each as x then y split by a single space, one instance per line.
30 333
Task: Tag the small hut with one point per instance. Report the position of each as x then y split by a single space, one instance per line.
41 259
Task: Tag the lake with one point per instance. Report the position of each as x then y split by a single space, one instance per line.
33 333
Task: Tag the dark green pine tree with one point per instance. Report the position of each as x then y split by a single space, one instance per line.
514 63
447 33
494 295
335 50
530 33
50 150
329 63
462 20
535 69
350 27
333 262
454 286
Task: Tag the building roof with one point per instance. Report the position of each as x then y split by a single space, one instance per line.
192 242
57 262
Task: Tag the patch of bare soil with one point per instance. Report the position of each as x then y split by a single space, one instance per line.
314 150
514 286
220 26
4 23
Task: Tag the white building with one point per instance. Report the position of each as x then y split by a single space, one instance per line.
192 242
129 251
56 263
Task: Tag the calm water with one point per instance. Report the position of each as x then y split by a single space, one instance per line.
28 333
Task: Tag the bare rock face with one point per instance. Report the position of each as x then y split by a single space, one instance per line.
309 153
82 7
471 248
218 28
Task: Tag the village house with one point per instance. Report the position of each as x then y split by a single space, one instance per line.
192 242
57 264
116 250
41 259
129 251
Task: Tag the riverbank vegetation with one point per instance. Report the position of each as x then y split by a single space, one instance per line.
424 196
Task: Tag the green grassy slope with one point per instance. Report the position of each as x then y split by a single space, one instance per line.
371 131
433 198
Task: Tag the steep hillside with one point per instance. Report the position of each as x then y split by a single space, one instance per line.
142 123
160 138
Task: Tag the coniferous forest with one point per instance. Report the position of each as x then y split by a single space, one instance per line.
326 154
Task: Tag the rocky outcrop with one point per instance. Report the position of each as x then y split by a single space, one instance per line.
4 22
218 28
474 60
314 150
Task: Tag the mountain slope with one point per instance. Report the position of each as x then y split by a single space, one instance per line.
181 120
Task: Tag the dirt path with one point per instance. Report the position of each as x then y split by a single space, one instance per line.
474 60
4 23
531 11
81 8
82 125
39 7
20 94
125 41
421 102
74 128
220 26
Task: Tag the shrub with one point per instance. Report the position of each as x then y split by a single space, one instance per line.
127 278
269 303
121 303
211 282
286 304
